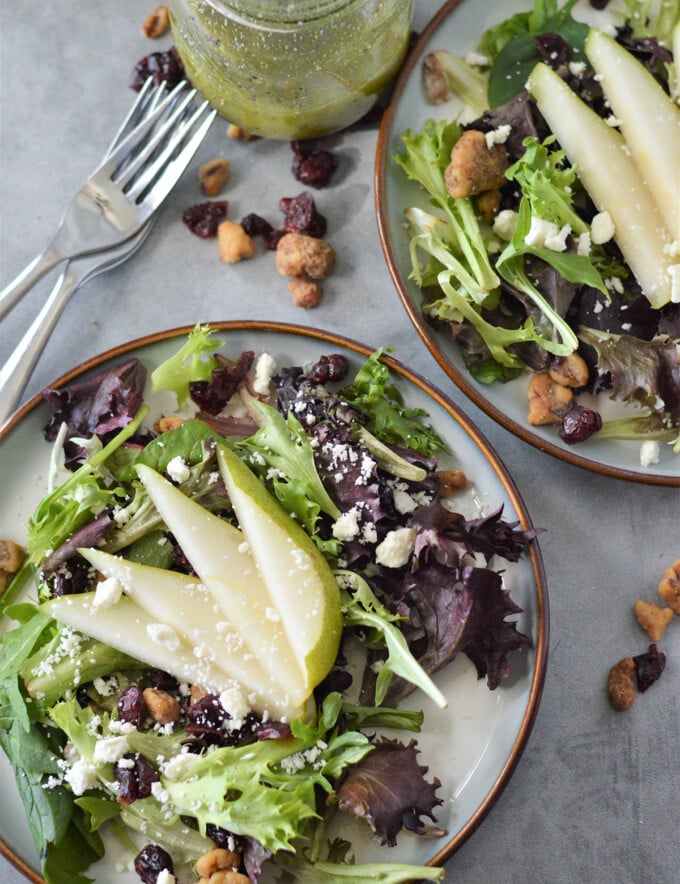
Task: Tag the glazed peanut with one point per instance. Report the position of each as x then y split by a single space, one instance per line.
305 292
213 175
162 706
156 23
219 859
652 618
450 481
570 371
300 255
233 243
548 401
236 132
163 424
620 686
669 587
475 167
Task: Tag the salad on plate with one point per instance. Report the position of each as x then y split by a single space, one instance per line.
226 607
548 245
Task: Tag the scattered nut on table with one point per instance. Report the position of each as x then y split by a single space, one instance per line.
669 586
621 684
213 175
306 293
652 618
238 133
233 242
300 255
156 23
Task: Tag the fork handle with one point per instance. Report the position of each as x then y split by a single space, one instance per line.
29 276
17 370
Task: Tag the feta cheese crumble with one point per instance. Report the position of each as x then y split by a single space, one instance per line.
649 452
164 635
602 228
107 593
394 551
265 368
178 470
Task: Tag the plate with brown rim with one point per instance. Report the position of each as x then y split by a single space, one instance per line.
458 27
474 745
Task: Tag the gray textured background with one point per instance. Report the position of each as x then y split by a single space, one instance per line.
594 797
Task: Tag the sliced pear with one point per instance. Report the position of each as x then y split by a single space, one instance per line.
650 121
301 584
611 178
219 554
128 628
188 607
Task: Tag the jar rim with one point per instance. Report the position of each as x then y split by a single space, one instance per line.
282 11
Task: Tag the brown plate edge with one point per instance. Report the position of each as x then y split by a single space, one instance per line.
537 567
426 333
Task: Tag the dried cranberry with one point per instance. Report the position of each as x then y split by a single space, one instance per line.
553 49
315 169
162 66
161 680
211 396
180 562
307 146
131 706
328 369
203 219
151 861
648 667
256 225
271 239
302 215
134 779
579 424
207 712
72 577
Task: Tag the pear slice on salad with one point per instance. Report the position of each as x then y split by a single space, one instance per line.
128 628
650 121
611 178
302 586
220 556
186 605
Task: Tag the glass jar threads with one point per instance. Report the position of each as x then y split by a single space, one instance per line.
295 69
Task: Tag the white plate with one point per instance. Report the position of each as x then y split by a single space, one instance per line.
458 27
473 745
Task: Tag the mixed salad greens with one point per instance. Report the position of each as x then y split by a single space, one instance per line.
354 475
572 255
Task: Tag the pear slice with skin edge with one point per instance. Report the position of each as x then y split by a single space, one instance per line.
219 555
128 628
187 606
302 586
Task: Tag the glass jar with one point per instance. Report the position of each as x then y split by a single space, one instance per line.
291 68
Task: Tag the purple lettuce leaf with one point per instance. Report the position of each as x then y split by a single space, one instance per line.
388 790
449 536
99 406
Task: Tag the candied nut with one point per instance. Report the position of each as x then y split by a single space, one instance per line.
219 859
11 556
162 706
4 581
652 618
669 587
212 176
156 23
305 292
475 167
163 424
233 242
450 481
236 132
620 686
196 694
488 204
570 371
223 877
548 401
299 255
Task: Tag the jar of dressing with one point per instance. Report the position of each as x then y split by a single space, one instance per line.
291 69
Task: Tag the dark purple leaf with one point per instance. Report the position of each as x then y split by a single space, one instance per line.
211 396
388 789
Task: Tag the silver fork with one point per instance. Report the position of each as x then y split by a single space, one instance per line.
125 189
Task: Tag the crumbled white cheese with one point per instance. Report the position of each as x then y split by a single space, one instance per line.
583 244
178 470
235 705
649 452
672 249
505 224
602 228
346 526
547 234
105 687
165 876
576 68
403 501
613 121
265 368
109 749
164 635
498 135
107 593
395 549
81 777
272 615
614 284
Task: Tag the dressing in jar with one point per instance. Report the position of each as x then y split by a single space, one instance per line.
291 69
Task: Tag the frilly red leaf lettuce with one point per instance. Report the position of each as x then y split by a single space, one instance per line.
388 801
